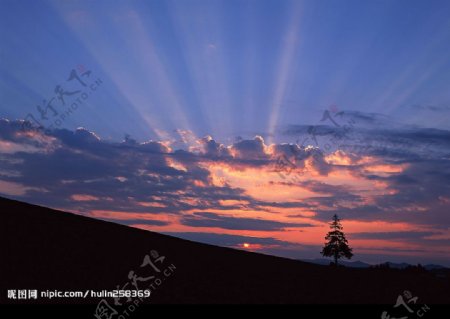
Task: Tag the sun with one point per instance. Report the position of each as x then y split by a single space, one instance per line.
246 245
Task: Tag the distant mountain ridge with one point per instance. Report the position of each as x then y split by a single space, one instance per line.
361 264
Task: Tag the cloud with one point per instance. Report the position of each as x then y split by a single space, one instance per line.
207 219
79 162
250 149
214 149
391 235
237 187
82 197
364 119
137 222
432 108
372 134
15 189
21 137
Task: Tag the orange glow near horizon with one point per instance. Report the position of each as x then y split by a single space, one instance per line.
297 225
262 184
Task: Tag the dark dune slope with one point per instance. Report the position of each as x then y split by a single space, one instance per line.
47 249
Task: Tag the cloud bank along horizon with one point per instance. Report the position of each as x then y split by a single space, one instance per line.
275 198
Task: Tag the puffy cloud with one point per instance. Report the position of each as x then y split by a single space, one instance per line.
214 149
250 149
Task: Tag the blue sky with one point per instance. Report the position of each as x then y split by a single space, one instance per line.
227 68
175 116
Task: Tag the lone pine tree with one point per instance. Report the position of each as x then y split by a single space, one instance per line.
336 245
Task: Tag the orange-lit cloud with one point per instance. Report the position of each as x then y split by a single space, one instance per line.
239 190
83 198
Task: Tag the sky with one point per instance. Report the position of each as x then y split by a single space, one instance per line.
245 124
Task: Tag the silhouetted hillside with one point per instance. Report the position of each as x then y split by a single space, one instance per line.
46 249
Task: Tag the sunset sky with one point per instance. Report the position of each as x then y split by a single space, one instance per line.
245 124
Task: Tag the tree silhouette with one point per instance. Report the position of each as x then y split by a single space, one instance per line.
336 245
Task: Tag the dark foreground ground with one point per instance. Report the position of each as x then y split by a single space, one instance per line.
44 249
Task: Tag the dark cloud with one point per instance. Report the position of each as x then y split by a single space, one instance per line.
58 164
214 149
250 149
293 204
207 219
292 153
372 134
421 195
432 108
363 118
320 187
127 173
137 221
391 235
